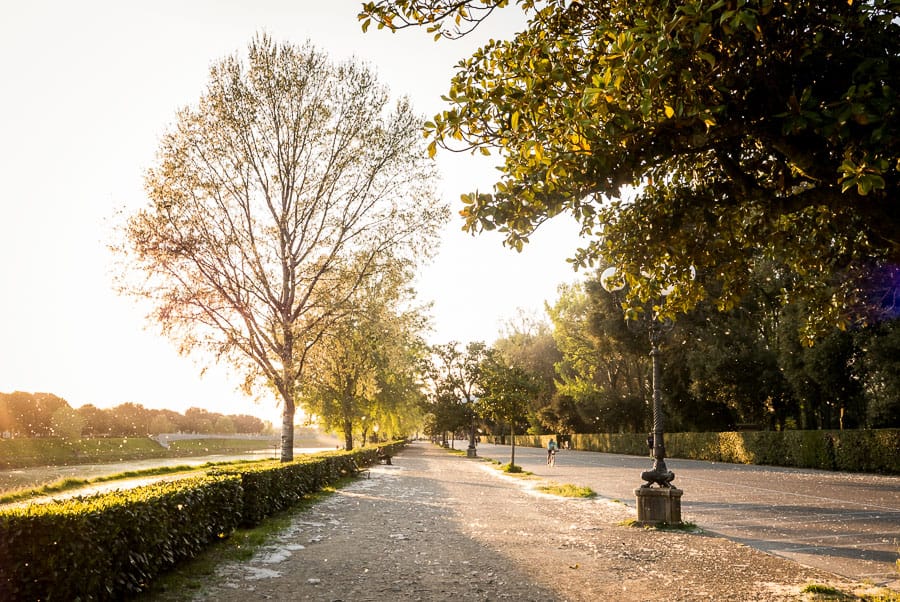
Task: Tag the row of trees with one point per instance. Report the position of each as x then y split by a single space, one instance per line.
46 415
588 370
750 142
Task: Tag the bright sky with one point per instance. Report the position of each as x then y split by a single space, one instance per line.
88 89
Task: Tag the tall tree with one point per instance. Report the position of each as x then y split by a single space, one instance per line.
880 374
29 414
604 368
272 200
704 134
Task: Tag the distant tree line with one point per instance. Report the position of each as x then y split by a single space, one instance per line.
47 415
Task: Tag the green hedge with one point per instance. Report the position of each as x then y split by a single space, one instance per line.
269 489
874 451
111 546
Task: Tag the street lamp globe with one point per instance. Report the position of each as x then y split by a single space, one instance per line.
609 281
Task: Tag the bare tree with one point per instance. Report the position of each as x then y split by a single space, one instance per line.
290 183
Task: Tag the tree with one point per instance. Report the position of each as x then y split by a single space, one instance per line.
30 414
880 367
363 375
97 422
528 342
687 136
245 423
130 420
66 423
508 391
604 368
271 201
160 424
452 376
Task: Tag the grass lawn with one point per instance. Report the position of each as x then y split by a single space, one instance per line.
22 453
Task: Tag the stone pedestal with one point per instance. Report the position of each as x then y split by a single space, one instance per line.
470 452
658 505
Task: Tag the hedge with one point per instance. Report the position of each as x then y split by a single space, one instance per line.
111 546
104 547
873 451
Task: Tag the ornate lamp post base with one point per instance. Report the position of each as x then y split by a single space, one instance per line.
663 477
658 505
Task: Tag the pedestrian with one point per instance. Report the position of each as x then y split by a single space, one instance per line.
551 449
650 443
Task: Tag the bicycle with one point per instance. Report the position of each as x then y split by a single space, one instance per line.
551 460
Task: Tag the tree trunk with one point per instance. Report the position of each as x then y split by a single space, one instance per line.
287 431
348 435
512 455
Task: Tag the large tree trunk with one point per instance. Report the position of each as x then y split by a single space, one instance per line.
512 455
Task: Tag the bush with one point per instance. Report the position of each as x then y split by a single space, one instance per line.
111 546
271 488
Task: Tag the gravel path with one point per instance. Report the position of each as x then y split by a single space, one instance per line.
436 525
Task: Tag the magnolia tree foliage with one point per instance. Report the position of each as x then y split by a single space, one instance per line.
287 186
689 137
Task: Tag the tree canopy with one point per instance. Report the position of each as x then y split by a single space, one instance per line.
704 135
291 183
364 375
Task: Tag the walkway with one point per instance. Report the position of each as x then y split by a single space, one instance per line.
436 525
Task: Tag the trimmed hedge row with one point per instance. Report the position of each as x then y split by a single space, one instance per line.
873 451
111 546
107 546
268 489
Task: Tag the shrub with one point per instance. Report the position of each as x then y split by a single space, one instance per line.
111 546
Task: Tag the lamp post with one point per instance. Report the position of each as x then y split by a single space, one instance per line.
661 504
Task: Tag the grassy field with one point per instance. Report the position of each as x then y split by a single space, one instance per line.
23 453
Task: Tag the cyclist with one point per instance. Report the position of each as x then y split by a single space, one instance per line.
551 450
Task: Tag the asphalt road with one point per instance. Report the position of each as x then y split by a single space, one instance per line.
845 523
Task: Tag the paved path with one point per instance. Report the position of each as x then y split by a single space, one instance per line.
845 523
436 526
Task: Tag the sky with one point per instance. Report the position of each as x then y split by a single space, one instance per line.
88 89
